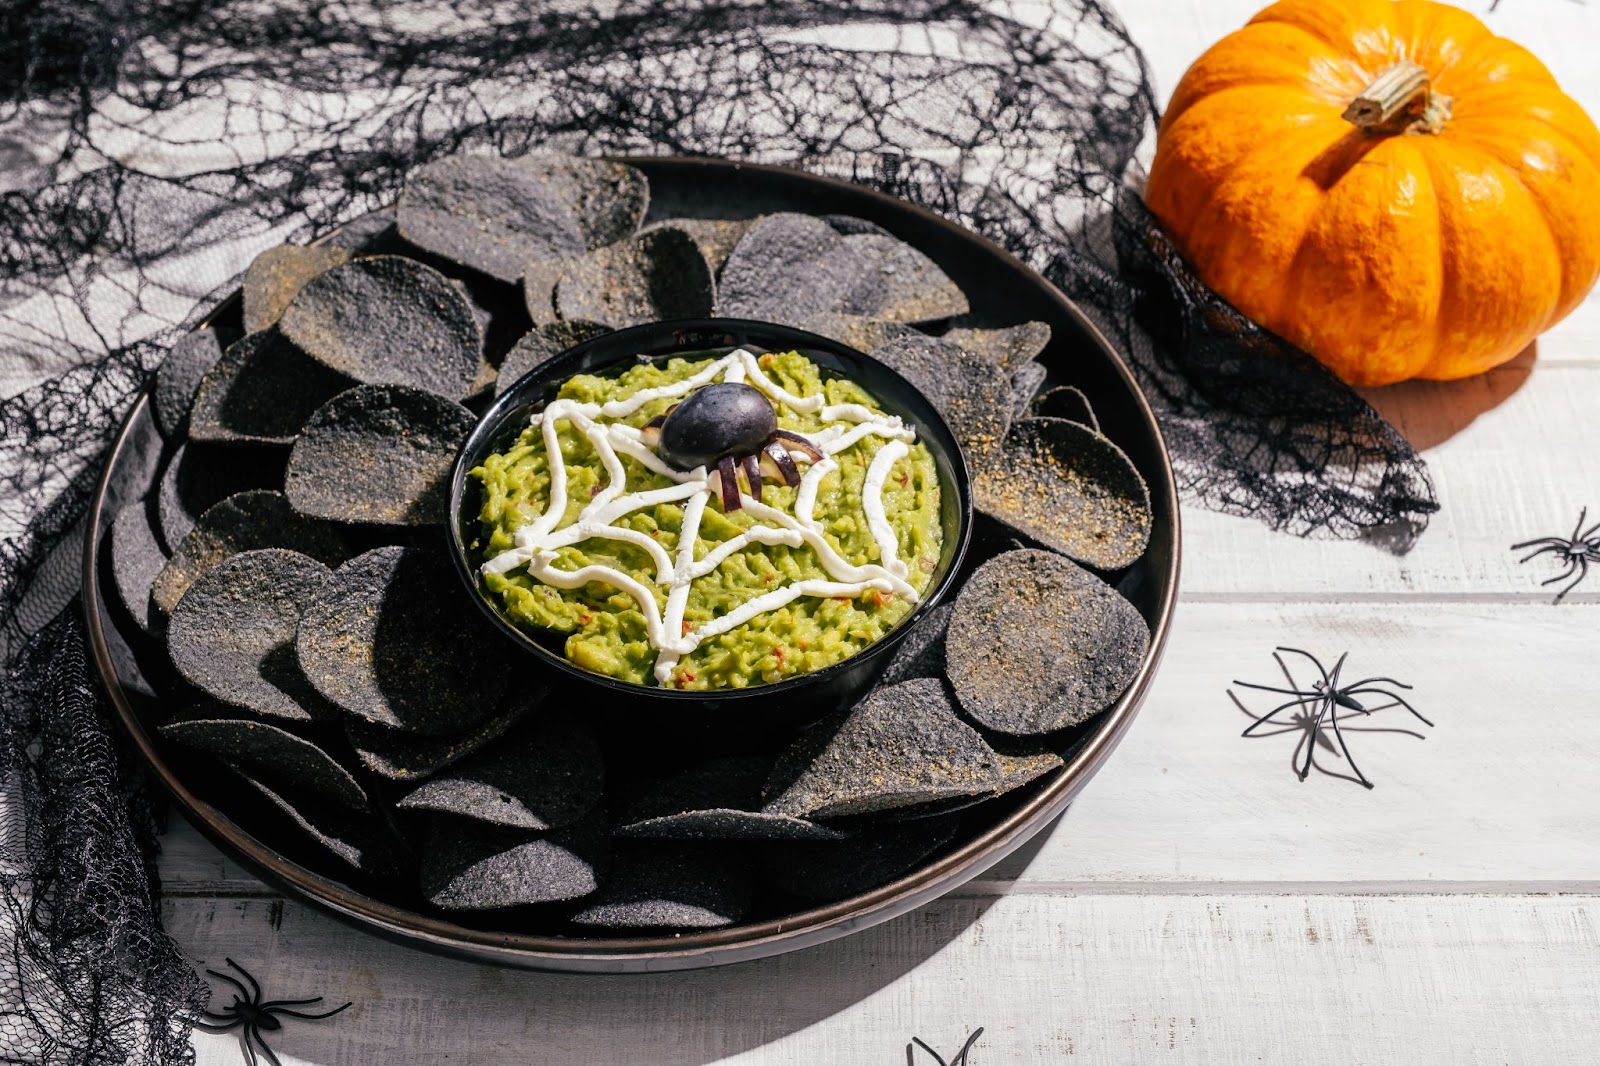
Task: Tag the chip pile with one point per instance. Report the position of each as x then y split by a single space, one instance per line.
344 699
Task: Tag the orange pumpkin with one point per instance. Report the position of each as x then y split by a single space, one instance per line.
1384 183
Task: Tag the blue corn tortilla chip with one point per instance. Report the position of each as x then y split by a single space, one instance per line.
272 753
1068 402
663 886
136 559
497 215
402 756
1069 489
547 775
255 518
921 650
179 376
360 841
261 391
539 346
391 639
970 391
474 866
1038 644
716 237
276 275
1009 347
716 800
378 454
388 320
834 870
902 746
1026 381
649 278
232 635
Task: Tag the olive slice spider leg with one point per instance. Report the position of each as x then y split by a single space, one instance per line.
1339 736
311 1017
752 473
1398 700
1253 726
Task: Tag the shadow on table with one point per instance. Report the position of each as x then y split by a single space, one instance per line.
413 1008
1428 413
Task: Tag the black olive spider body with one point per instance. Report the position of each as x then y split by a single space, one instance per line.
732 427
1324 701
1577 551
255 1016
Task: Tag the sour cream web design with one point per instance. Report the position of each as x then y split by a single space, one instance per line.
844 426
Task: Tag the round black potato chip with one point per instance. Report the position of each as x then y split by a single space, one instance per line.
278 274
1068 402
497 215
273 753
829 870
388 320
392 639
540 345
136 559
1026 381
474 866
715 237
360 841
378 454
256 518
972 393
261 391
547 775
179 376
402 756
648 278
1038 644
232 634
661 886
921 650
715 800
1068 488
198 476
1009 347
902 746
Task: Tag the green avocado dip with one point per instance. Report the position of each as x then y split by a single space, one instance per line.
832 550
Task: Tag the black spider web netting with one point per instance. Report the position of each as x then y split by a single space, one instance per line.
149 148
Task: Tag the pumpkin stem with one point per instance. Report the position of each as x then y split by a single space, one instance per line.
1400 100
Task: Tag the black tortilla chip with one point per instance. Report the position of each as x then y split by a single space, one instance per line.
1068 402
179 376
862 334
136 559
836 869
360 841
391 638
547 775
273 753
971 393
716 237
902 746
921 650
1038 644
1026 381
402 756
540 345
847 224
497 215
261 391
1068 488
1009 347
899 283
232 634
256 518
378 454
716 800
649 278
474 866
539 279
198 476
388 320
278 274
663 886
372 233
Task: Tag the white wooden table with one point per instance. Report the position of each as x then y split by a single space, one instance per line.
1197 904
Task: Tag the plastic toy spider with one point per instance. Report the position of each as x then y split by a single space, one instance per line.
959 1060
1577 551
1323 702
247 1010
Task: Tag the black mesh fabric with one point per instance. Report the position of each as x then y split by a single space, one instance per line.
149 148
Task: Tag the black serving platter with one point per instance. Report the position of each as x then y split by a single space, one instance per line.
1003 291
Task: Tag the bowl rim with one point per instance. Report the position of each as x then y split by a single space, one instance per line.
741 942
497 418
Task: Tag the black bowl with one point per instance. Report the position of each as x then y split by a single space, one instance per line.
759 708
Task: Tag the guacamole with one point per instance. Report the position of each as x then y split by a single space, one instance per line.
804 577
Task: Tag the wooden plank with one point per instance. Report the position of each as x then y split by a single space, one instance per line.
1497 793
1097 979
